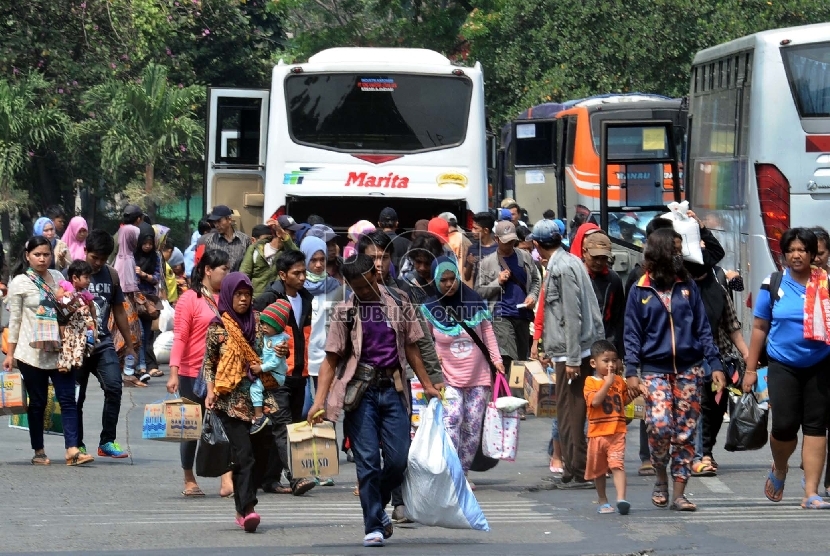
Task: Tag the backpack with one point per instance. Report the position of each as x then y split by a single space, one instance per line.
774 285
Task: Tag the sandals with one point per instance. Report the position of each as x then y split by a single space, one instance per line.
155 373
702 469
709 460
193 491
660 495
373 539
278 489
302 486
815 503
606 509
646 470
79 459
40 459
774 487
682 504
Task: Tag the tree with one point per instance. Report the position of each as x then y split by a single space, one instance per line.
142 122
27 128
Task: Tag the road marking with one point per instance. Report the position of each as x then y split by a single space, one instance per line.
715 485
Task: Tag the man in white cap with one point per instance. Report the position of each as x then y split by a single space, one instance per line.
510 281
458 242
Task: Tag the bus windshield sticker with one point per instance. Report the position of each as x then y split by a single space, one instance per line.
654 138
534 176
377 84
525 131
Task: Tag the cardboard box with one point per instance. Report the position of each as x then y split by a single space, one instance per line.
540 390
172 420
419 401
313 450
12 394
636 409
517 375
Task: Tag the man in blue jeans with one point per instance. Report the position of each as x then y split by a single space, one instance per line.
375 333
103 362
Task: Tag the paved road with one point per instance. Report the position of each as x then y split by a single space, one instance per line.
135 506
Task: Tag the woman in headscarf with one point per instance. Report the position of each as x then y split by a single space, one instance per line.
461 325
327 292
357 230
233 347
125 267
75 238
148 268
46 228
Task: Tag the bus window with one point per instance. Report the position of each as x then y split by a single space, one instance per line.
630 226
807 71
351 112
534 144
237 122
570 137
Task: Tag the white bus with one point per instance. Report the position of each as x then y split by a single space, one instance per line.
348 133
759 155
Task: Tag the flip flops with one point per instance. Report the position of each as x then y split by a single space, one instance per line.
646 470
373 539
192 492
40 459
702 469
815 503
606 509
774 487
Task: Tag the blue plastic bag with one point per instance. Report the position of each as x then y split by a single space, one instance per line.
435 491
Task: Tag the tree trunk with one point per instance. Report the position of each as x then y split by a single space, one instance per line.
188 194
149 177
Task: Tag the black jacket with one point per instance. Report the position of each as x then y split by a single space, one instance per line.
611 298
298 359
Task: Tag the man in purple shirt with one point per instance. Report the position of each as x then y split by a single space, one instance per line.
375 333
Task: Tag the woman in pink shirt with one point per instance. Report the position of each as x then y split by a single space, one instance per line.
460 320
195 309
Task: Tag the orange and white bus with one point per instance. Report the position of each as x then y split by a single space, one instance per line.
635 192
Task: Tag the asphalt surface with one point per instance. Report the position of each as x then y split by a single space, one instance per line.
135 506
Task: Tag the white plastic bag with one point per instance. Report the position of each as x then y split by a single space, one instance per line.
689 230
435 491
500 438
166 316
162 347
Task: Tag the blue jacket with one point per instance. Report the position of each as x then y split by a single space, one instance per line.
661 341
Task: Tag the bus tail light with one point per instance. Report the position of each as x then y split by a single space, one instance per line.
774 198
277 213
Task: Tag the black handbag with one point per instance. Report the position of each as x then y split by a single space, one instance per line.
747 424
214 454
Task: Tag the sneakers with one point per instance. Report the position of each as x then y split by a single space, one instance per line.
258 424
399 515
112 450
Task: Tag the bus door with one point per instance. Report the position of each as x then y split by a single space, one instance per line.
237 131
565 148
534 151
639 152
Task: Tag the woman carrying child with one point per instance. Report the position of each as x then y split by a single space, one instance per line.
234 343
273 321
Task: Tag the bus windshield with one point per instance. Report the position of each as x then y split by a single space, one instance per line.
808 70
365 112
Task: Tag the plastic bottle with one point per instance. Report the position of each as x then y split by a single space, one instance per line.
90 337
129 365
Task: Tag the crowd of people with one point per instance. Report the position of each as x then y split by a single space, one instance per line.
291 324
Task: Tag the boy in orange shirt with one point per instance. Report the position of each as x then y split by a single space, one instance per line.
606 395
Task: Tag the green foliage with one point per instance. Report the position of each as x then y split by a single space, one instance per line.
26 126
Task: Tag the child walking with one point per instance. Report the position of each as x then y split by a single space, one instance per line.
606 395
80 333
273 320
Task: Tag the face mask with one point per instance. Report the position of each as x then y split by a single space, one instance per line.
314 278
677 262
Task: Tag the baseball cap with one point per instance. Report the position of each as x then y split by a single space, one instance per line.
219 212
449 217
597 244
133 211
288 223
388 215
544 231
440 228
505 231
277 314
322 231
